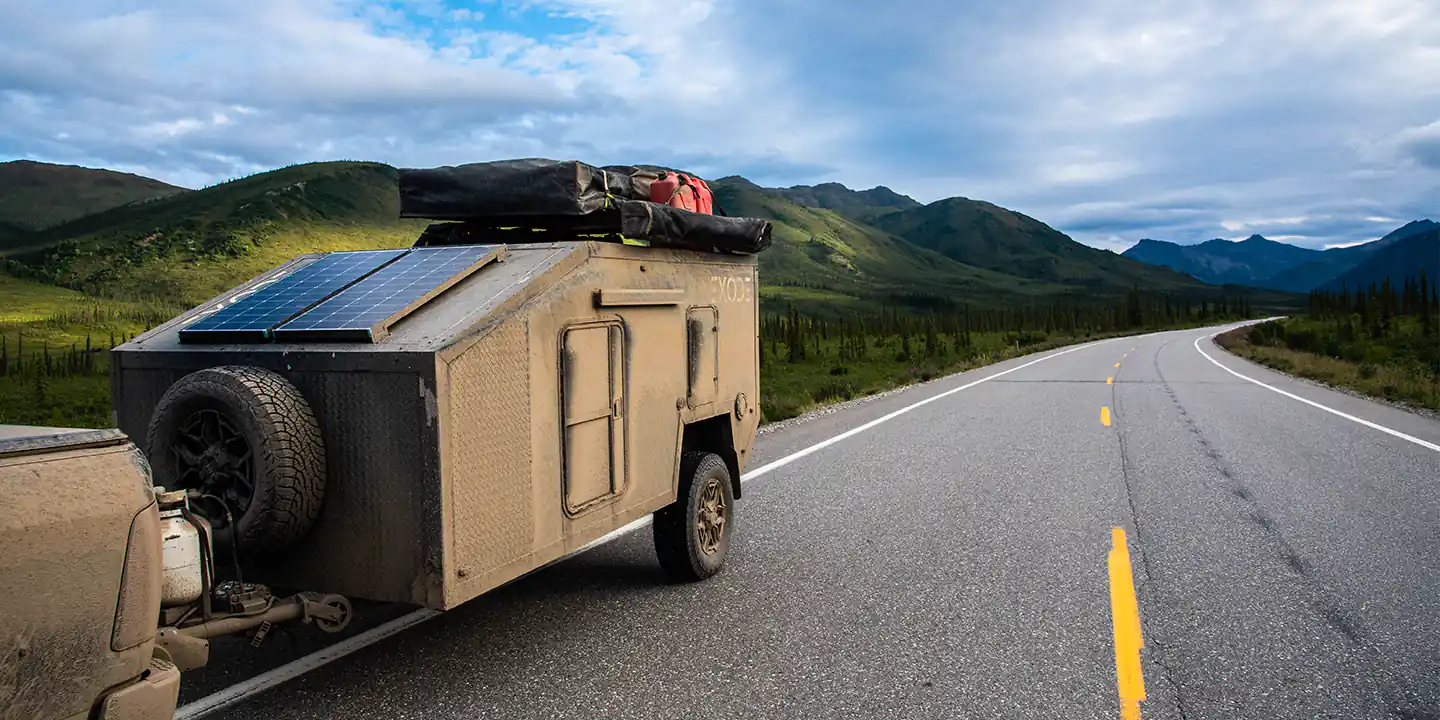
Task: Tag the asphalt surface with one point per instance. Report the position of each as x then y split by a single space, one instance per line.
951 562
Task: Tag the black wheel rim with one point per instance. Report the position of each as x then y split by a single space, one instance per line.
213 456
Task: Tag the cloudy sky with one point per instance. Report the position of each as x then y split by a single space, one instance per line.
1311 121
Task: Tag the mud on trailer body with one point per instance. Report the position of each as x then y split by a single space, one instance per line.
555 393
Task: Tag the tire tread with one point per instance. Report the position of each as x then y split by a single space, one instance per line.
675 543
290 482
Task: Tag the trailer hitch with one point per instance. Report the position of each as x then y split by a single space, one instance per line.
331 613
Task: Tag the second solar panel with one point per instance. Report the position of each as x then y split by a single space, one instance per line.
365 311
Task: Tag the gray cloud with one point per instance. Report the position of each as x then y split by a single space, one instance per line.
1422 144
1173 119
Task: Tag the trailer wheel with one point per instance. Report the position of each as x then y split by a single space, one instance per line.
246 438
692 534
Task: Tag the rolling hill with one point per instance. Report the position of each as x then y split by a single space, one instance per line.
36 195
988 236
184 248
861 205
1261 262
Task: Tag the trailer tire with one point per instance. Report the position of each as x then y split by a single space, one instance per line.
692 534
221 428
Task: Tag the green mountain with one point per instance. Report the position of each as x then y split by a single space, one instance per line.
186 247
1261 262
820 256
35 195
988 236
862 205
1406 256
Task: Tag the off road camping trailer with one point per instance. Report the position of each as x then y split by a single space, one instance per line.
552 394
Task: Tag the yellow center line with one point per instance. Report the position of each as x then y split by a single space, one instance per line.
1110 380
1122 357
1105 416
1117 364
1125 615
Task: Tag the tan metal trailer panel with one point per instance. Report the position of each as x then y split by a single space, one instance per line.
529 409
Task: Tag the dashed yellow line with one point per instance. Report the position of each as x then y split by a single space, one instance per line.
1122 357
1117 364
1125 615
1110 380
1105 416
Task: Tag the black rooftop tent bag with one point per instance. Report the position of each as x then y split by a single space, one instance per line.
571 197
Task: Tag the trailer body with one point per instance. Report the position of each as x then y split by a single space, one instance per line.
532 407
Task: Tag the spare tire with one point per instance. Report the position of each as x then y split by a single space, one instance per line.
246 438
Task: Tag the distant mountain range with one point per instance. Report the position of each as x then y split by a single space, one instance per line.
836 251
956 248
1259 262
1405 256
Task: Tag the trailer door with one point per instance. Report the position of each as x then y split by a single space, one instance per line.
702 337
593 400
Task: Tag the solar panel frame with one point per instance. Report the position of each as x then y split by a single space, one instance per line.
365 311
253 316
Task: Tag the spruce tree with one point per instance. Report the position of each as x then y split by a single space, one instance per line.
1424 292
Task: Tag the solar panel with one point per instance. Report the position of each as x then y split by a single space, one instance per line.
365 311
252 317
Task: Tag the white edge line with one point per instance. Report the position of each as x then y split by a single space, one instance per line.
1312 403
264 681
782 462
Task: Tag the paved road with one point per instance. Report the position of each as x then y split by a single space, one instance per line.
951 562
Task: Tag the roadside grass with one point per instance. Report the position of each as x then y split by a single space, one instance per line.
1403 380
789 389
